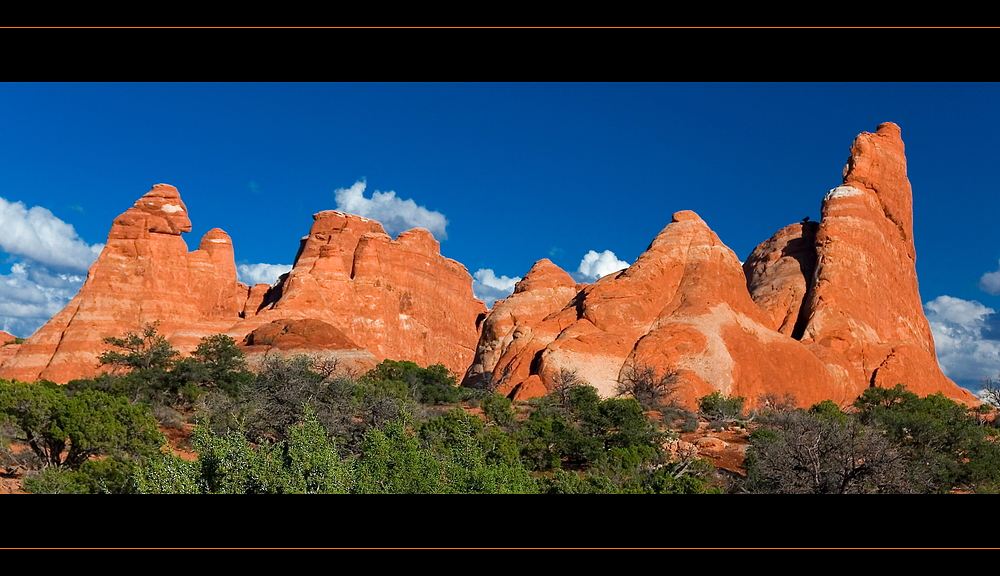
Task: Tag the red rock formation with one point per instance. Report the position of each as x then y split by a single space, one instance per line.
313 337
865 317
846 287
7 347
683 309
144 274
398 299
517 329
779 274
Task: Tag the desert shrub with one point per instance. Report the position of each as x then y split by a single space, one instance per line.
499 410
945 444
717 407
649 390
431 385
771 402
66 431
803 452
306 462
690 423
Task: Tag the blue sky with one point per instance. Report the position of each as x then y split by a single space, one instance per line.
504 174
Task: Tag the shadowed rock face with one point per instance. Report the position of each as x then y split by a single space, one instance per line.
397 299
779 276
820 310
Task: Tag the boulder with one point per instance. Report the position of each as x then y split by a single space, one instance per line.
313 337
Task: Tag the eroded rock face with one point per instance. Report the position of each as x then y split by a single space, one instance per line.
7 347
399 299
144 274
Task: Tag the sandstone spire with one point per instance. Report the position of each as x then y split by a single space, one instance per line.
144 274
865 317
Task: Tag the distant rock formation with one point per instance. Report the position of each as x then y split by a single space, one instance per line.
7 347
820 310
397 299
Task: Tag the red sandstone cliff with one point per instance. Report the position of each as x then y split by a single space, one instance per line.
682 308
820 310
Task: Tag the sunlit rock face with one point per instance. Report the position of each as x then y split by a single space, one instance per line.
682 309
144 274
864 315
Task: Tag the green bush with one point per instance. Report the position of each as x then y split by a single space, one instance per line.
717 407
498 410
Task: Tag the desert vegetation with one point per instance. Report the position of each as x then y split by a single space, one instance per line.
298 425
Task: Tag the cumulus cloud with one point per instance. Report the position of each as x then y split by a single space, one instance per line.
38 235
489 288
31 294
966 337
251 274
395 214
990 283
595 266
49 265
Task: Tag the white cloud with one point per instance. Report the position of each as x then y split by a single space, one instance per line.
488 288
251 274
966 339
595 266
395 214
50 262
38 235
31 294
990 283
